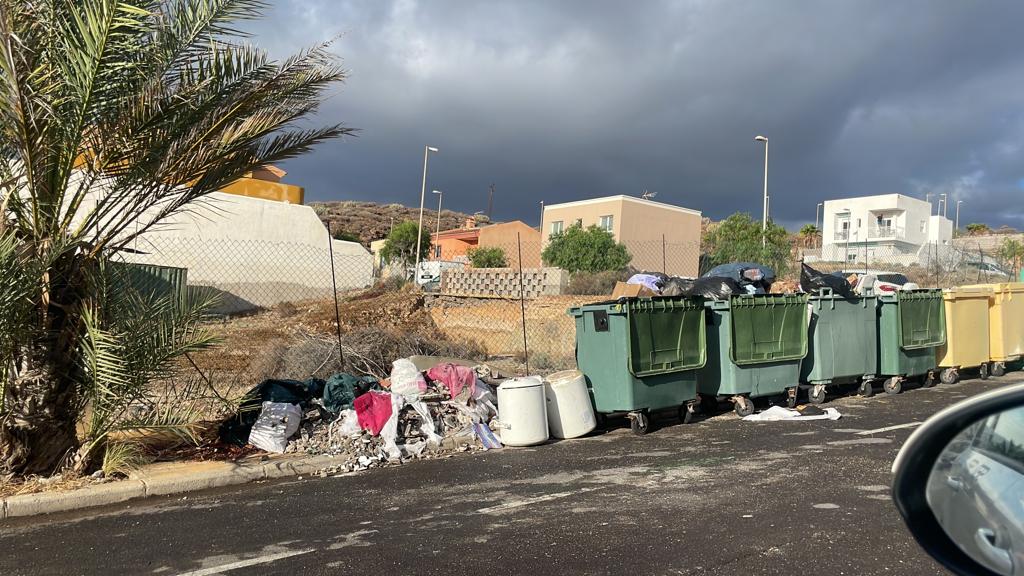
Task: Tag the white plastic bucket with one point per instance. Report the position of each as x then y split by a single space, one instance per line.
570 413
522 412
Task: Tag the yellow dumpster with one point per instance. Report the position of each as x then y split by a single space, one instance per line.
1006 324
967 332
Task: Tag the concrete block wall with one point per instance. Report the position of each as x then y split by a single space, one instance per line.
504 282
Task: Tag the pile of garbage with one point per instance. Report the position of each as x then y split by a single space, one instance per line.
717 284
367 422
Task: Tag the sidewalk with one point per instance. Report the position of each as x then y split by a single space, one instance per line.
166 478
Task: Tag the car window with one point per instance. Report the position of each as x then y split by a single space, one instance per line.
893 278
1003 438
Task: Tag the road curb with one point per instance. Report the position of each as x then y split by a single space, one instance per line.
171 479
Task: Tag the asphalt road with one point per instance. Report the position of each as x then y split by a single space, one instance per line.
718 496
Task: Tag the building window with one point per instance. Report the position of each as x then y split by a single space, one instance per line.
437 252
606 223
556 227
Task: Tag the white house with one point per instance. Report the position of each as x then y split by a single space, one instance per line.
887 228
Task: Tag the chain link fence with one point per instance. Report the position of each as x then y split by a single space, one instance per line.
277 314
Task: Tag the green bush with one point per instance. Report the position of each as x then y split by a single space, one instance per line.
401 244
487 257
738 239
586 250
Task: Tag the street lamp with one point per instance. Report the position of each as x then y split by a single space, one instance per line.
439 196
817 228
423 192
957 225
764 213
942 203
928 199
541 217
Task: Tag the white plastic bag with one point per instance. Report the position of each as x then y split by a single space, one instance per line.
276 424
348 423
406 380
428 423
390 430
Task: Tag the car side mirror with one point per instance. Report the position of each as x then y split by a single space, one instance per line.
959 484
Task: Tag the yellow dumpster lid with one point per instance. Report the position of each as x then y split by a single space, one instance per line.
1000 286
962 292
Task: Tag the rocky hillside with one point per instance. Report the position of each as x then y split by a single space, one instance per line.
369 221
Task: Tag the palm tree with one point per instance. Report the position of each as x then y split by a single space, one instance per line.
115 115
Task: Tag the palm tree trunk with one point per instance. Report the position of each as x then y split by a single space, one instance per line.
41 405
37 431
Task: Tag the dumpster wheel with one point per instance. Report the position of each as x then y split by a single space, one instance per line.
929 380
893 385
686 412
983 371
949 376
742 405
867 389
639 422
998 368
817 394
791 401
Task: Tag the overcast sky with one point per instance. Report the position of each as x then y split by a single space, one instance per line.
560 101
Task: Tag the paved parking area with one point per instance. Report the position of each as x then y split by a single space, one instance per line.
718 496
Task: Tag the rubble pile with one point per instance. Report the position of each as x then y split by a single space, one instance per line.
367 423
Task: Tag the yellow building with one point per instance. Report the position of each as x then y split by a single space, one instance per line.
265 183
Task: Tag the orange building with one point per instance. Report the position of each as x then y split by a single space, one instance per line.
455 244
265 183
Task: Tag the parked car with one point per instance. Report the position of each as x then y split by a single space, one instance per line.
989 271
970 459
884 281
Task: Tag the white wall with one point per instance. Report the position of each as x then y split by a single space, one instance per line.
256 253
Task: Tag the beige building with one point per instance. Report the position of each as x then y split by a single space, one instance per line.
660 237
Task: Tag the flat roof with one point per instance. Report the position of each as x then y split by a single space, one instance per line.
875 196
623 197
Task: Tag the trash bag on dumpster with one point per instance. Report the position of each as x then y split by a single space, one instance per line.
811 281
653 282
716 288
757 277
677 286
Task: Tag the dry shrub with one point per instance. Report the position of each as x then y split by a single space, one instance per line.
286 310
597 283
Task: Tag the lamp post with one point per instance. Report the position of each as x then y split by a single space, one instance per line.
942 203
541 227
423 192
439 196
817 227
928 199
764 213
956 226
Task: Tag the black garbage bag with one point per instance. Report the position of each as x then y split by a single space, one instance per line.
235 430
716 288
811 281
758 276
676 286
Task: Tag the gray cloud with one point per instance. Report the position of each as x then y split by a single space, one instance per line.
561 101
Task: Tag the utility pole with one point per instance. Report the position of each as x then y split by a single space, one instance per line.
764 214
490 202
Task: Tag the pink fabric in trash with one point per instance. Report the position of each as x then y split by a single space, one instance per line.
455 377
373 410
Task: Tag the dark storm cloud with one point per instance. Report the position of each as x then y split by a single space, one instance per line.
559 101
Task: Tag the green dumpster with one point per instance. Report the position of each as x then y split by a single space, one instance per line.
842 342
755 344
641 355
911 325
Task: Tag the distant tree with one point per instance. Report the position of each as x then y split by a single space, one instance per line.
401 244
738 239
1011 251
346 236
588 250
977 229
487 257
809 235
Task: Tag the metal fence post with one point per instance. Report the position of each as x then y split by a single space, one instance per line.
334 286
